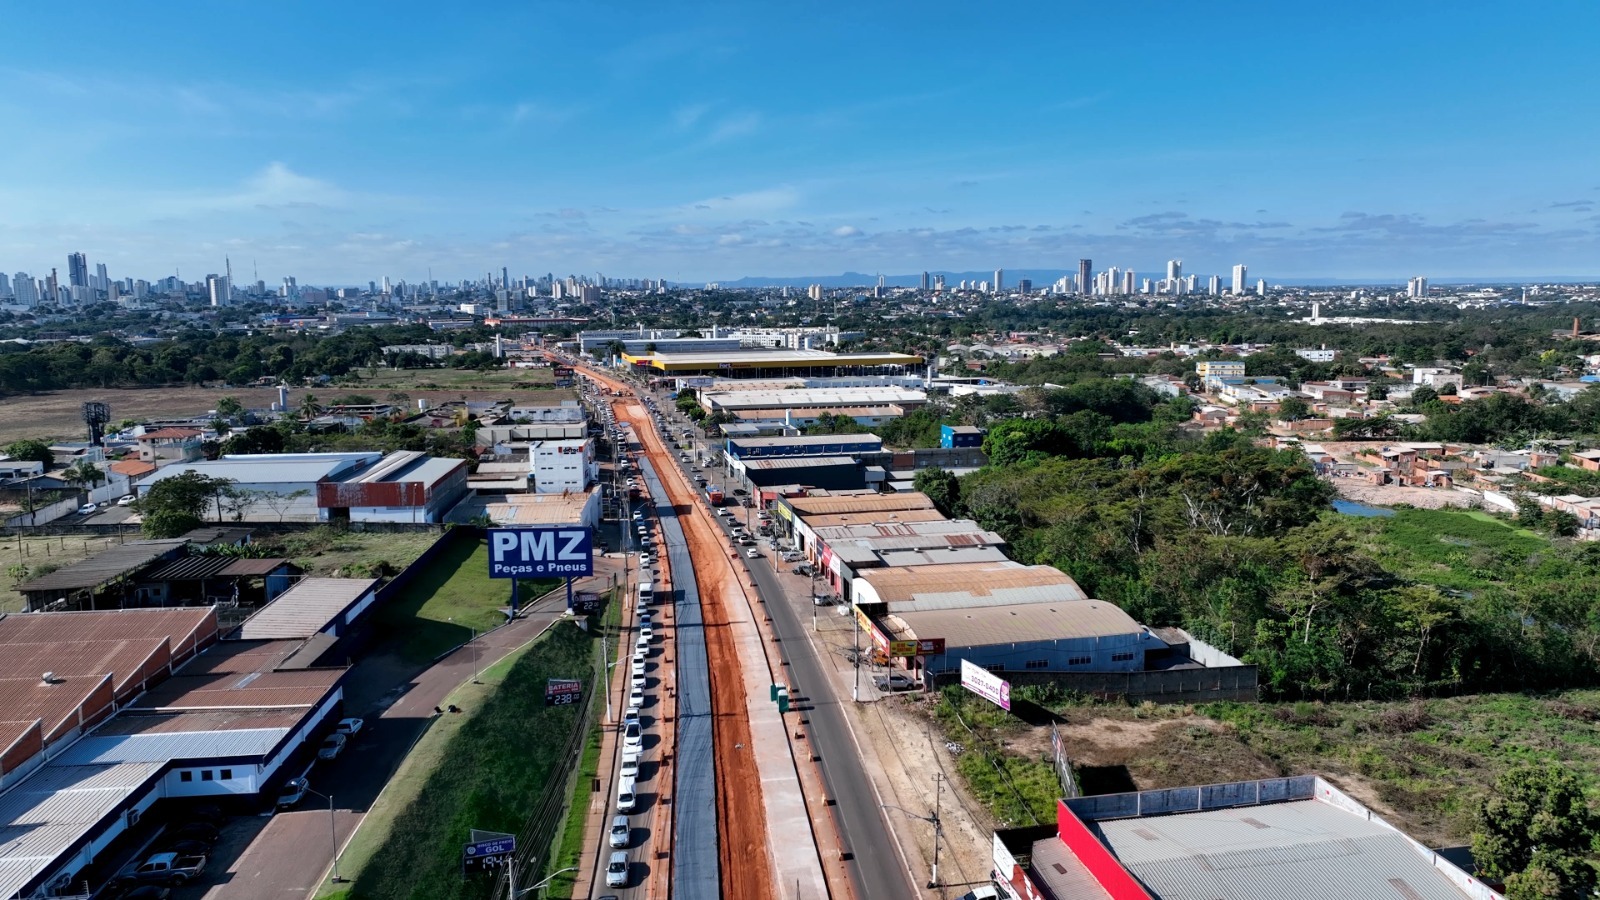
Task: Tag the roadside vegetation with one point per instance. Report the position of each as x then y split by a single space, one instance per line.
486 777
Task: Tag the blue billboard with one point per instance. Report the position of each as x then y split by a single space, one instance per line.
548 551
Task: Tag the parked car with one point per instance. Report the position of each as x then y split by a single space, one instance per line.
822 600
349 727
621 831
294 790
630 765
632 735
636 697
894 681
165 869
126 500
630 716
86 509
332 746
617 870
626 799
195 831
802 569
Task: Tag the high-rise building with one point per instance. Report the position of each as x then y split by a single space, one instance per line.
938 283
5 285
1085 268
505 277
23 287
1127 282
1113 280
1238 279
101 282
999 280
1024 285
217 289
1214 285
54 286
814 292
1261 288
924 281
78 270
1417 287
1174 271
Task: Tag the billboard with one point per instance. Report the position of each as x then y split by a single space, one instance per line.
986 684
490 855
562 691
902 648
547 551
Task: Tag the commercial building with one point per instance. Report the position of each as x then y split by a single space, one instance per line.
774 363
824 472
135 707
560 467
960 436
166 444
1219 368
738 401
803 445
405 486
1271 839
575 508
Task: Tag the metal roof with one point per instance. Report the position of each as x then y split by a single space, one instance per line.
233 690
195 568
908 529
938 556
305 609
1063 873
806 440
864 502
146 723
54 807
792 462
243 656
270 468
108 565
164 746
811 397
1299 850
873 517
971 584
1018 623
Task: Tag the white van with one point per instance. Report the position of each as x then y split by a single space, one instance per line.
647 593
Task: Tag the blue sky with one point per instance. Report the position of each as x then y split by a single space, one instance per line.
345 141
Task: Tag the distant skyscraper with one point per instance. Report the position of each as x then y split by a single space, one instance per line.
1085 273
924 281
1261 288
217 289
1113 280
1214 285
1417 287
999 280
938 283
1024 285
1127 282
78 270
505 277
54 286
22 286
101 282
1174 271
5 285
1238 279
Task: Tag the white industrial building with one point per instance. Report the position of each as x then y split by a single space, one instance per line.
561 467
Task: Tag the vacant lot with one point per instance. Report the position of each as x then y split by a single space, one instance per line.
1423 765
334 552
59 415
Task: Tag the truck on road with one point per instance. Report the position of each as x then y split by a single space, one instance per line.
714 495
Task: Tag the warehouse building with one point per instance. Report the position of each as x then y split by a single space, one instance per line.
133 707
773 363
1270 839
803 445
575 508
822 472
739 401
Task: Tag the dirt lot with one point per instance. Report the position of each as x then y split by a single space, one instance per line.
1394 494
58 414
45 554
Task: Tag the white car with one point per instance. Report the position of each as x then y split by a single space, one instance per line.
617 870
636 698
630 716
637 681
626 799
126 500
632 735
348 727
639 655
86 509
630 765
644 560
752 553
645 630
621 832
332 746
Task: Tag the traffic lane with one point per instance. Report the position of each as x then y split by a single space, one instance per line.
864 830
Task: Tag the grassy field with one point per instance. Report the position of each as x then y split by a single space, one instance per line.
43 555
1423 765
335 552
439 609
411 380
420 764
1452 549
484 776
569 848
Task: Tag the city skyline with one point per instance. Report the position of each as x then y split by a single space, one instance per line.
721 142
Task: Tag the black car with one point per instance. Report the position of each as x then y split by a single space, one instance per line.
194 831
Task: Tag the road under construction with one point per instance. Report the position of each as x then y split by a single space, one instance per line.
763 811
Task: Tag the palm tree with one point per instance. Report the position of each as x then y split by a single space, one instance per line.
309 407
84 473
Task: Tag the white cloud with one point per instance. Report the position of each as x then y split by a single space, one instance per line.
846 231
761 202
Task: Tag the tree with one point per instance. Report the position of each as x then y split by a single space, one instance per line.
37 451
19 572
309 407
228 407
176 505
1535 830
941 486
84 473
1293 408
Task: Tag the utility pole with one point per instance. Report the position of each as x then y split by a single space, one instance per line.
855 621
938 830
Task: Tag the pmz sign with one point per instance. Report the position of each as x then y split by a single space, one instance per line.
547 552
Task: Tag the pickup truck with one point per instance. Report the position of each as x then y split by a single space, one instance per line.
165 868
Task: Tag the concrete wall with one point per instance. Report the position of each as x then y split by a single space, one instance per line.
1168 686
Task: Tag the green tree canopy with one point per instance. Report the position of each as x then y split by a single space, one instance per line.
37 451
1536 830
174 506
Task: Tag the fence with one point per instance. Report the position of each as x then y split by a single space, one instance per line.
536 839
1063 765
1161 686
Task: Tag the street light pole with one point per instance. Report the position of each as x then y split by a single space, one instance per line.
855 622
333 831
